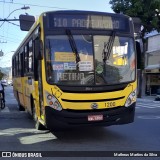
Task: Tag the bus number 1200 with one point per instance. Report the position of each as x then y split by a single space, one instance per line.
110 104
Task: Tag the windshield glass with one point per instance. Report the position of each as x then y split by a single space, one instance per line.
116 66
98 65
62 67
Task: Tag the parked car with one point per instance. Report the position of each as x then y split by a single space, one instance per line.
158 95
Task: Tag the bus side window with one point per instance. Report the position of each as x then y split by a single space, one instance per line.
139 58
30 58
22 64
26 58
13 66
17 66
35 63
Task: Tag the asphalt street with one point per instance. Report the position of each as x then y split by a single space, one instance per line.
17 132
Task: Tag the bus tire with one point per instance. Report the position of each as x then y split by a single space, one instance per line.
20 107
38 125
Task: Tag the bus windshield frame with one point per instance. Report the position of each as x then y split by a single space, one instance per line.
62 65
63 69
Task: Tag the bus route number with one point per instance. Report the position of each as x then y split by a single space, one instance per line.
60 22
110 104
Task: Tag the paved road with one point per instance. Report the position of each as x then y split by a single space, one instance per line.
17 132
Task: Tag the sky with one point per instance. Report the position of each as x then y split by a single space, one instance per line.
11 35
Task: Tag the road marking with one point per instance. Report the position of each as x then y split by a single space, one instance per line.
147 105
144 100
148 101
6 109
156 102
149 117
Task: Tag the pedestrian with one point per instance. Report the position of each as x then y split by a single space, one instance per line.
2 90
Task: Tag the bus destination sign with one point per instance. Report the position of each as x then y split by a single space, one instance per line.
89 21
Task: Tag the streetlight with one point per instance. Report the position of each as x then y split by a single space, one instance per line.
25 8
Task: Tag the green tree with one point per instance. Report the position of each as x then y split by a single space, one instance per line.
147 10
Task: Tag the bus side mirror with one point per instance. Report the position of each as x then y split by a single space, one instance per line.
139 54
26 22
38 49
137 24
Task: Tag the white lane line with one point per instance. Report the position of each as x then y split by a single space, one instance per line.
145 106
145 100
157 102
149 104
149 117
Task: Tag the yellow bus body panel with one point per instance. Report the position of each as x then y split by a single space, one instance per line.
91 97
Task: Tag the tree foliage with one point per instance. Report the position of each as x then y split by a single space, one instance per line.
146 10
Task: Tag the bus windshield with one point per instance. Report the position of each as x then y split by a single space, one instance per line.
97 65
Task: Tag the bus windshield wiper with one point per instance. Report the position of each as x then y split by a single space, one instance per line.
73 45
108 47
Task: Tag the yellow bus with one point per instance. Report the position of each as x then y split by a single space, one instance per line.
77 68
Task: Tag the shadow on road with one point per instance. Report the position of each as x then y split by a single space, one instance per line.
87 134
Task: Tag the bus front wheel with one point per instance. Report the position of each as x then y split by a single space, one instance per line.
38 125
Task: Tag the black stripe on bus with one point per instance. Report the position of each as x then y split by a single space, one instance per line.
92 89
95 100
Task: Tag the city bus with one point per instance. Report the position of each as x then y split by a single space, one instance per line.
77 68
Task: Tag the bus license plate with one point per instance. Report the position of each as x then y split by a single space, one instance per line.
95 117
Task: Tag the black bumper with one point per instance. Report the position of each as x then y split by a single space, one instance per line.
74 118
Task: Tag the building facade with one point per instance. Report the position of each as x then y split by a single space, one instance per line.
152 65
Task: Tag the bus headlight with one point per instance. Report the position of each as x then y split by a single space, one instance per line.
131 99
53 102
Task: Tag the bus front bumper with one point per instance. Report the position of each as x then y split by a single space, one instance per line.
77 118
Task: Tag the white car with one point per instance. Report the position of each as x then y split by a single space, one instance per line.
10 82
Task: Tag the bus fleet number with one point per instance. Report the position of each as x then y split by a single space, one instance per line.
110 104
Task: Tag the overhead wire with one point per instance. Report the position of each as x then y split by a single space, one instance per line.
13 23
34 5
